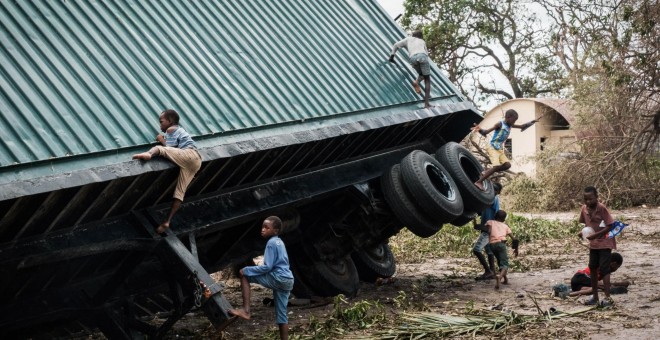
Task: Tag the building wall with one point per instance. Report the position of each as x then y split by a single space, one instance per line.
565 137
524 144
551 130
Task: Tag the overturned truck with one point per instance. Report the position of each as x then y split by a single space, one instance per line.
297 114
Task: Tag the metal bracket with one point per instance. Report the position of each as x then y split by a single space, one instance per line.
185 268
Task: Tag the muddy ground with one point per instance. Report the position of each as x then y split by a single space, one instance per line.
447 285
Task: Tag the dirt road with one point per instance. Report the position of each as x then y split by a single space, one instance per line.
447 285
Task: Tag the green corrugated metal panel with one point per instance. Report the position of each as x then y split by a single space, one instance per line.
88 77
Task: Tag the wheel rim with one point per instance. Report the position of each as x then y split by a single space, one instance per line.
376 253
337 267
440 181
470 169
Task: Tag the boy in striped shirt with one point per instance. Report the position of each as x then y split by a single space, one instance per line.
496 147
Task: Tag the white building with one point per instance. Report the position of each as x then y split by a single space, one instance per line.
554 127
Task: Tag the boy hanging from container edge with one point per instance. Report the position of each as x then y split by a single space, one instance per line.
419 60
274 274
495 148
498 232
178 147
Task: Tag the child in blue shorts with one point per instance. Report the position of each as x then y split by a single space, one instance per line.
274 274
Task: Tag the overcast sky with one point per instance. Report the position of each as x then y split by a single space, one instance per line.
393 7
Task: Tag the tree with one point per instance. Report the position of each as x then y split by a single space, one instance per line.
469 37
610 50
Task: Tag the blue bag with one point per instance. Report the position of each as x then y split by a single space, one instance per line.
617 228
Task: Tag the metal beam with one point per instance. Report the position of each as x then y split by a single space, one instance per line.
210 214
184 267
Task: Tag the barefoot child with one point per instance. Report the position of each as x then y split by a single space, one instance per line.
482 241
595 215
274 274
498 233
178 147
495 149
581 281
419 60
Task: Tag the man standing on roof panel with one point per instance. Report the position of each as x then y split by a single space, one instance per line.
419 59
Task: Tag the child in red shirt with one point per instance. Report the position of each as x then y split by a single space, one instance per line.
581 281
595 215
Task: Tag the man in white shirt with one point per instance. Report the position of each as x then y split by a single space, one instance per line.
419 59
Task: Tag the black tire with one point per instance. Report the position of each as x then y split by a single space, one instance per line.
466 169
301 289
464 219
374 261
431 186
401 203
325 278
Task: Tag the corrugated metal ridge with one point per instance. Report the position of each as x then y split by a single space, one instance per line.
79 77
17 188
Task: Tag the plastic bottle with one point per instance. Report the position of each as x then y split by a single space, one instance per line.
617 227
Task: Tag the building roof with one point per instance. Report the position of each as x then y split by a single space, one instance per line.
561 106
83 82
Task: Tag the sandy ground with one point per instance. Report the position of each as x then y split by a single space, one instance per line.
448 285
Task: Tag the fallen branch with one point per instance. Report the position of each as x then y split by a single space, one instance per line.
422 325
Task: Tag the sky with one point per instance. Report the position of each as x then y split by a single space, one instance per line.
393 7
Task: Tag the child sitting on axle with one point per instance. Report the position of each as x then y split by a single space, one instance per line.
498 232
178 147
495 149
274 274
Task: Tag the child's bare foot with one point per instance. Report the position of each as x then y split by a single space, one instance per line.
479 186
145 156
162 227
243 314
416 86
505 280
497 281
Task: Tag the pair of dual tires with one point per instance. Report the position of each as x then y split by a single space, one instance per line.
425 192
341 275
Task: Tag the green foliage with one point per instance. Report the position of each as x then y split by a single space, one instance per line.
454 241
528 230
450 241
362 314
345 317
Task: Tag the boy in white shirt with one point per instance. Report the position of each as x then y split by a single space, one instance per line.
419 59
498 233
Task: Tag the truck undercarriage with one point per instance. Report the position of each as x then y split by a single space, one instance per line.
87 256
